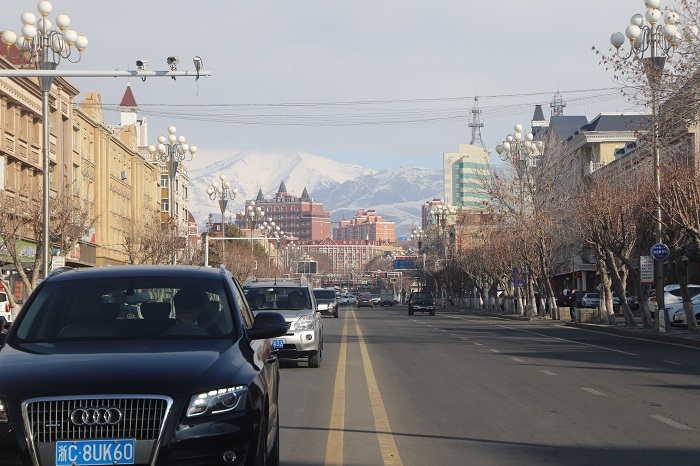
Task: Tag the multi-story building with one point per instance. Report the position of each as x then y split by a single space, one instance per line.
467 178
92 163
348 257
426 220
366 225
300 218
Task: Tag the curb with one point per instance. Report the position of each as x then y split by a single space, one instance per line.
642 334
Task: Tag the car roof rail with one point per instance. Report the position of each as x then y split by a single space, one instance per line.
302 280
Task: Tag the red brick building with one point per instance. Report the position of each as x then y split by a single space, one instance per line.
367 225
300 218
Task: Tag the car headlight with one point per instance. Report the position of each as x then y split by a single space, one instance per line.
218 401
3 413
305 323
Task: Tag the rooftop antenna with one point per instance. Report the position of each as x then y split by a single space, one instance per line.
476 124
557 104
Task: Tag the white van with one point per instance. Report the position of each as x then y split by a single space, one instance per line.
5 310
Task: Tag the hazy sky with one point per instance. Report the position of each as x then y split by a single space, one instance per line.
379 83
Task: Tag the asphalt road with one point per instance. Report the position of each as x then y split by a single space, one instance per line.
465 390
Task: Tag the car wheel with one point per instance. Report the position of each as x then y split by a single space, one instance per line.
2 323
261 458
315 360
274 457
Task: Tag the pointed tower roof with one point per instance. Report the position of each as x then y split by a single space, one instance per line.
128 101
283 188
260 196
305 195
539 114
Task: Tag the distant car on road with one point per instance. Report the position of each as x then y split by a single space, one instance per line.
326 301
365 300
421 301
5 310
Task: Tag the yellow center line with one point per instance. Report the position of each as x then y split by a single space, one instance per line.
334 446
390 454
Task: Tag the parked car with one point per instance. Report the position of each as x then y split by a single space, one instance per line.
673 301
590 300
327 301
365 300
5 310
376 300
421 301
294 299
139 391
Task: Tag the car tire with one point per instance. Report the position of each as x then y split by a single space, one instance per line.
261 457
2 323
273 458
315 360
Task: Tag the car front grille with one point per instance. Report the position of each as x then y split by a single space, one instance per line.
142 418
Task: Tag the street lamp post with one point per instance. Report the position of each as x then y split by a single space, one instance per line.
44 47
172 150
253 214
223 192
653 37
417 234
442 215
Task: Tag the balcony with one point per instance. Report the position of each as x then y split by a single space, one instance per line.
592 167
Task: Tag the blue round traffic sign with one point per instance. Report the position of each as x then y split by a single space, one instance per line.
660 252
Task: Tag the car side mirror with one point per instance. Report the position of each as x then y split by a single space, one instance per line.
267 325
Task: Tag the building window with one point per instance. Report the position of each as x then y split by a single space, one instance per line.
164 181
76 171
165 205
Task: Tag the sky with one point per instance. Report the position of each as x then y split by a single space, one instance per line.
378 83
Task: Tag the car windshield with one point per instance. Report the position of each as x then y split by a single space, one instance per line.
127 308
278 297
324 294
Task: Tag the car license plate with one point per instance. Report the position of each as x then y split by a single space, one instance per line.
277 343
95 452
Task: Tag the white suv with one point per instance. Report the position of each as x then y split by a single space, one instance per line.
5 310
294 299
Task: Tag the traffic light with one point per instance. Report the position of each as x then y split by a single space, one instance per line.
385 274
374 274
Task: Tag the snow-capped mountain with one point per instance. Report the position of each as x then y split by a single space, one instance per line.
396 194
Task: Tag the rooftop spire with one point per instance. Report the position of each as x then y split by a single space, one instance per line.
283 188
557 105
260 196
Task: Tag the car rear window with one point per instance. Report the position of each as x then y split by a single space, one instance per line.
593 295
324 294
3 297
423 296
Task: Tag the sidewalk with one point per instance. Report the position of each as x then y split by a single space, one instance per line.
675 335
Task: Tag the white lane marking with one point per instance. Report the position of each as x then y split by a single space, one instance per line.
674 363
478 344
453 334
593 391
671 423
547 372
570 341
464 338
517 359
495 351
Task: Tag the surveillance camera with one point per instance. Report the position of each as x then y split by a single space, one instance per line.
198 63
141 64
173 61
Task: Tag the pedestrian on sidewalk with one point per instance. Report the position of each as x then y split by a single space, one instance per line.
572 304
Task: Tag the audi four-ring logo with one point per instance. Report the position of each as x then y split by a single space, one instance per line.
96 416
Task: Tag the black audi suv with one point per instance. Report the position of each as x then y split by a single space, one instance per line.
144 365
